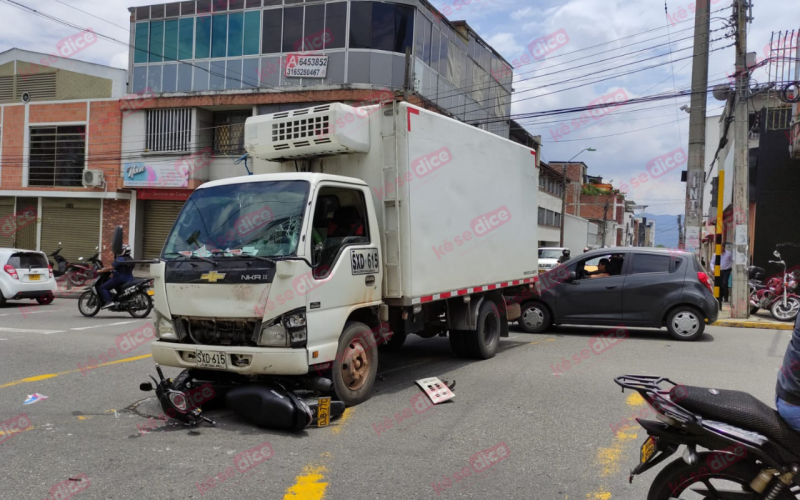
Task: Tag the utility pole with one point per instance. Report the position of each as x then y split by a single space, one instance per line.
741 204
605 218
563 204
695 169
681 242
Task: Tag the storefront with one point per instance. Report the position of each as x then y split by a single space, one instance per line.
74 223
161 209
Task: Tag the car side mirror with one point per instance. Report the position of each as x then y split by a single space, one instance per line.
775 253
572 277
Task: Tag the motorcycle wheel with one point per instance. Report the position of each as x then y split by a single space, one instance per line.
139 305
89 304
788 313
680 481
76 278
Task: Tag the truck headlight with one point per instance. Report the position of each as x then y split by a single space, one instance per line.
165 329
295 324
272 334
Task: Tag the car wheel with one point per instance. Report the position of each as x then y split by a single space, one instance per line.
46 299
2 300
482 342
535 318
685 323
356 364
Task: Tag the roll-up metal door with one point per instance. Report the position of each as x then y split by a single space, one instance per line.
75 222
7 223
26 211
159 216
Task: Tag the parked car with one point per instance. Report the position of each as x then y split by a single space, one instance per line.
641 287
26 274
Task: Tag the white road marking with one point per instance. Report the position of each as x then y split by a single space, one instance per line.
107 324
20 330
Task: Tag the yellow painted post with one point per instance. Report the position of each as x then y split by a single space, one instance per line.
718 231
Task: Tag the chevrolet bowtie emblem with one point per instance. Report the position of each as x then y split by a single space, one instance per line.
213 276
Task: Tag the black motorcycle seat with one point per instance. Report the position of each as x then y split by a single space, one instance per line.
739 409
134 282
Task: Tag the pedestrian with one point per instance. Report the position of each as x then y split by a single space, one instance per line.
787 398
725 266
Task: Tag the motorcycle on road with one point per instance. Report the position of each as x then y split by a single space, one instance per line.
752 452
133 297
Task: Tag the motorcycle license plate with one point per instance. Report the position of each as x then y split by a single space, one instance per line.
648 449
150 293
33 277
211 359
323 412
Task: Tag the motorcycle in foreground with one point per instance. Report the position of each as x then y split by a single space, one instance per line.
778 294
133 297
752 453
79 274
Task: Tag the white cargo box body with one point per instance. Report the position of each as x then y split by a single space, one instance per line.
465 200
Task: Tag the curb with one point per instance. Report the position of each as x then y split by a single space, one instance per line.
765 325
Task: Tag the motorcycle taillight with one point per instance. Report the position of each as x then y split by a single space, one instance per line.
50 269
11 271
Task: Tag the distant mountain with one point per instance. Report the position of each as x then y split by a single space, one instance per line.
666 229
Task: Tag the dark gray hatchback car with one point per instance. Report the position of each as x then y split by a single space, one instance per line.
625 286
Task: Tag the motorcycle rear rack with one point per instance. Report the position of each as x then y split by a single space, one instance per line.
650 387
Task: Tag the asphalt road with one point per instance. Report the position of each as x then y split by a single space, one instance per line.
552 427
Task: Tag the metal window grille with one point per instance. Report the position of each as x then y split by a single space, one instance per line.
57 155
229 133
168 129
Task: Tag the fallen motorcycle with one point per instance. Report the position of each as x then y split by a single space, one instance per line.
272 403
752 453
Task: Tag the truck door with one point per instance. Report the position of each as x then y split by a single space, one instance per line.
349 269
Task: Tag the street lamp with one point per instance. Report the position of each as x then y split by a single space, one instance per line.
564 193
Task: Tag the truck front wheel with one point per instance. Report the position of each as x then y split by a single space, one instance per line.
482 342
356 364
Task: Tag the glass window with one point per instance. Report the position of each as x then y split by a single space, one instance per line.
217 78
219 5
335 25
383 26
360 25
647 263
203 6
235 34
184 77
339 221
292 28
219 38
202 42
236 5
156 41
426 35
229 132
403 28
252 28
186 38
187 8
233 74
171 40
433 61
142 37
57 155
445 43
541 216
170 78
271 41
314 28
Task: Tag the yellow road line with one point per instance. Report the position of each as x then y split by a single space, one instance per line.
309 485
39 378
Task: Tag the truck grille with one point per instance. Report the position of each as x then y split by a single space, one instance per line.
223 332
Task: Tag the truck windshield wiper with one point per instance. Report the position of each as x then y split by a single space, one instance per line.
199 258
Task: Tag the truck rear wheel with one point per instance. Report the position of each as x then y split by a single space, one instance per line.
482 342
356 364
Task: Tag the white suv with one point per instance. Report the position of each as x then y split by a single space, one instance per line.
25 274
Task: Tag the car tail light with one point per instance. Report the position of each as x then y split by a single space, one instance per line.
50 269
11 271
706 280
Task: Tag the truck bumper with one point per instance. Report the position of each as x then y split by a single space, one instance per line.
250 360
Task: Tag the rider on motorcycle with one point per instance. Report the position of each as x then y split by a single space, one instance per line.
788 388
123 273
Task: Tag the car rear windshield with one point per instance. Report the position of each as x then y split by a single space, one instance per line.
27 261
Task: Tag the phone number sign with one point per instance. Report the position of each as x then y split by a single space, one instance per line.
306 66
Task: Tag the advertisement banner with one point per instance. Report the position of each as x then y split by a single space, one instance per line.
140 174
305 66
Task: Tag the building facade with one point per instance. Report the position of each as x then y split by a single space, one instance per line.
205 66
60 120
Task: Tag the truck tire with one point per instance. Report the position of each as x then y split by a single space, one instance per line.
535 318
482 342
457 343
356 364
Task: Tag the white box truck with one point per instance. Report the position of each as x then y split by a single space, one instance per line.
375 223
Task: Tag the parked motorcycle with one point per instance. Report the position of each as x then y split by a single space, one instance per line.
60 264
778 294
133 297
752 453
79 274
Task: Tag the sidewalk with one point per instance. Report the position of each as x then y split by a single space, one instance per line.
762 319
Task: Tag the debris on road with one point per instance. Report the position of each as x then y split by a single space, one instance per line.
34 398
436 390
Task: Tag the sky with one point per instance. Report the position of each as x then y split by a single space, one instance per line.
623 34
